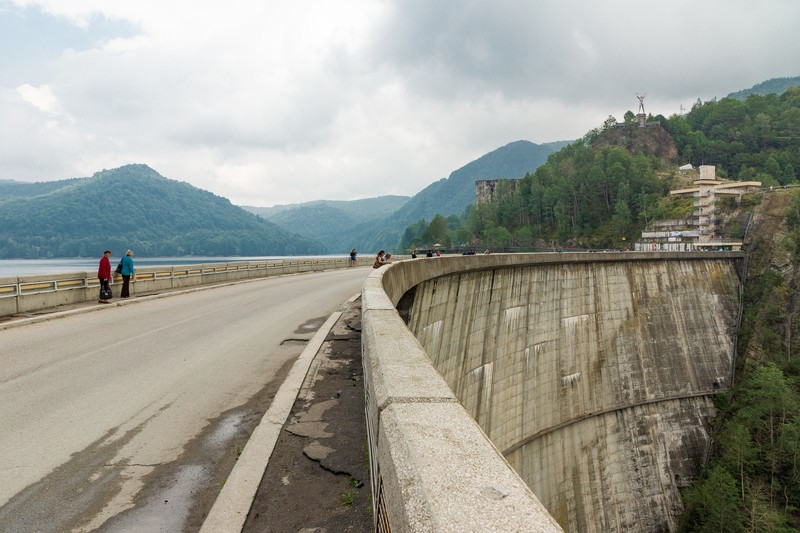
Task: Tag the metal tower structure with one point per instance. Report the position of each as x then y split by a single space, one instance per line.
641 97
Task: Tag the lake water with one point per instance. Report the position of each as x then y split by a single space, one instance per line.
24 267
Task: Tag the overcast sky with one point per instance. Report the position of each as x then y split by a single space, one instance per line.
272 102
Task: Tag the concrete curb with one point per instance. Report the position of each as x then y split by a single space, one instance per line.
229 512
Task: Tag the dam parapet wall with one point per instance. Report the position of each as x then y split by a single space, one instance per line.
591 374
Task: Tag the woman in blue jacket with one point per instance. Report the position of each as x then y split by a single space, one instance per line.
128 273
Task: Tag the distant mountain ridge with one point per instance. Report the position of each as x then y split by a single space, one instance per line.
329 221
132 207
375 223
771 86
15 190
453 194
365 207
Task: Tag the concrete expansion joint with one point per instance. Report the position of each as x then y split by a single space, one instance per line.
416 399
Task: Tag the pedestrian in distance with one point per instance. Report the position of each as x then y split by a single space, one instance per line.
128 273
104 275
380 259
353 257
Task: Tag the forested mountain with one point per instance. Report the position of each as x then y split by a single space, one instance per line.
453 194
773 86
329 221
752 139
132 207
601 191
582 197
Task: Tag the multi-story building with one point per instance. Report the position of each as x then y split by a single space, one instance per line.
700 231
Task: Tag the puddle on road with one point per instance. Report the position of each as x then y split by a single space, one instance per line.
224 430
178 495
312 325
167 506
165 512
294 342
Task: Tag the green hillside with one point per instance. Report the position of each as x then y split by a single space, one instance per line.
11 190
453 194
132 207
773 86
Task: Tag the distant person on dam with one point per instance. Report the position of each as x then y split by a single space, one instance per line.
380 260
104 275
353 257
128 273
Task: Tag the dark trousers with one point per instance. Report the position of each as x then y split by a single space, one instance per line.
126 288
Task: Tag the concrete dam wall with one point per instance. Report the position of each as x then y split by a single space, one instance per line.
591 373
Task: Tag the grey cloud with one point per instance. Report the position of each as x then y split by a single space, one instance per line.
578 51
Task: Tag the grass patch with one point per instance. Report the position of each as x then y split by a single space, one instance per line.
349 497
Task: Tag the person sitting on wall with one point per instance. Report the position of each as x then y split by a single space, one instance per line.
380 260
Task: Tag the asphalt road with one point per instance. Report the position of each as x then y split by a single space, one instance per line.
94 407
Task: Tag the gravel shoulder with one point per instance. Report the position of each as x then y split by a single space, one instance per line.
317 479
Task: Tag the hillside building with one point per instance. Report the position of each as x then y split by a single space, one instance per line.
700 231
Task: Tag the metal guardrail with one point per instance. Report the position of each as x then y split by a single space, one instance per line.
9 290
27 293
57 282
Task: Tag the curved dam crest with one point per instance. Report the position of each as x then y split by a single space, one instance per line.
594 379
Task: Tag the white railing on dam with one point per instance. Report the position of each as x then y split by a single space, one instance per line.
434 468
26 294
